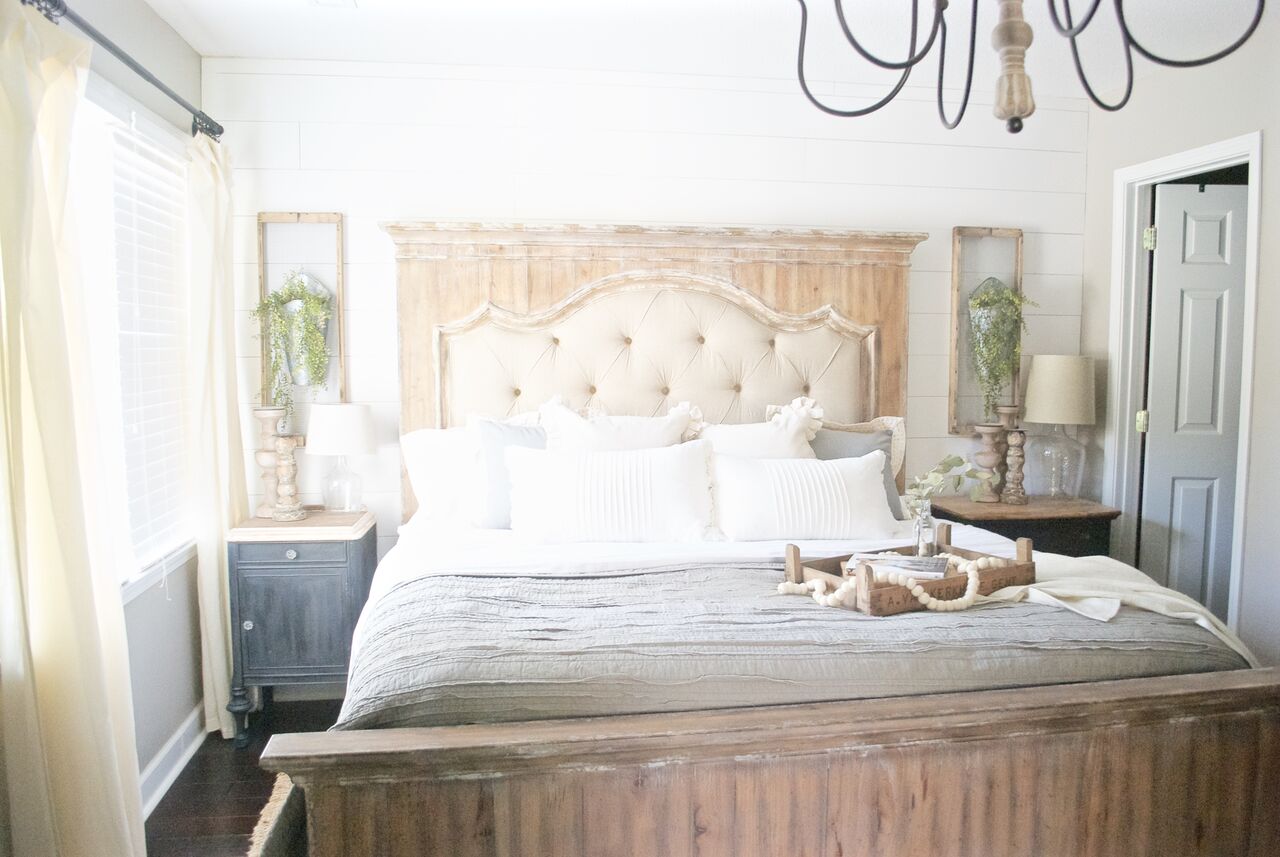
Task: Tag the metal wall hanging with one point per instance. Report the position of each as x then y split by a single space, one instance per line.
1010 38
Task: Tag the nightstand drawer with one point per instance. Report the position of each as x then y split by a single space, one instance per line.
286 553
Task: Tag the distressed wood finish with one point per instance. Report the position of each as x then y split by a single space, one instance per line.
1186 765
447 272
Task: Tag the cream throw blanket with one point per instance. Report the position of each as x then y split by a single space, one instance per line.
1096 587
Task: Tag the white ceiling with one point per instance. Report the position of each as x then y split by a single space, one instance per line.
715 37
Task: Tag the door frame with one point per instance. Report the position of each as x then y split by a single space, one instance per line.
1132 191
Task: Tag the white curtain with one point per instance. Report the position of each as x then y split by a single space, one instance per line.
218 473
70 768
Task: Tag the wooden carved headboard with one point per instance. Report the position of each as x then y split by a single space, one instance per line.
496 318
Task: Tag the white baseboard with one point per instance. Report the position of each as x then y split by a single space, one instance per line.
162 770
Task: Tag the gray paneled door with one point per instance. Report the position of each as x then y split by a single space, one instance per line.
1193 389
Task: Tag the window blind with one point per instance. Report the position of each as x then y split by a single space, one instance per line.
149 209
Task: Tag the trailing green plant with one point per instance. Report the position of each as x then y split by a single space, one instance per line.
296 337
946 475
996 326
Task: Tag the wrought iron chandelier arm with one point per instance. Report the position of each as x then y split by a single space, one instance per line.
1156 58
951 124
912 56
1084 78
804 85
1068 29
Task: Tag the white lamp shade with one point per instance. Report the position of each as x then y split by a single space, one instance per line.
1060 390
339 430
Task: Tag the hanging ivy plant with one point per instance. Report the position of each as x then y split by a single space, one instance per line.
295 337
996 326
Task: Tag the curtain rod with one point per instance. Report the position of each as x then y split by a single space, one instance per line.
201 122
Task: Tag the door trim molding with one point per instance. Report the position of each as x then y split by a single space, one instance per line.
1131 199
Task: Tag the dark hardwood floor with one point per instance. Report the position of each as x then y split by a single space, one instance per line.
213 805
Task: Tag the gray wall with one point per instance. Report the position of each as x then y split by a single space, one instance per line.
134 26
163 627
1174 110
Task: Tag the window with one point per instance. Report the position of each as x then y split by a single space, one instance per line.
149 204
131 218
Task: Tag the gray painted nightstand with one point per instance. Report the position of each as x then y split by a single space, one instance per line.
296 592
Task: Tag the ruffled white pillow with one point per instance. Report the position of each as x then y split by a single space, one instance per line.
785 434
567 429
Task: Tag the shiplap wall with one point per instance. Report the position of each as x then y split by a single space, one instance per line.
383 141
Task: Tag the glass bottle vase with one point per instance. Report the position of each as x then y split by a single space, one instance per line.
925 529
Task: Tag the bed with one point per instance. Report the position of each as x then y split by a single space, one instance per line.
511 698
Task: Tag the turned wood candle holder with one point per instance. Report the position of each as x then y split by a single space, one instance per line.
288 506
986 460
265 457
1013 492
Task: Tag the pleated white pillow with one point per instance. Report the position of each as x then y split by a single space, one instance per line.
802 498
640 495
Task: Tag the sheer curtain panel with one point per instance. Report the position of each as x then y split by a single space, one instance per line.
217 479
70 765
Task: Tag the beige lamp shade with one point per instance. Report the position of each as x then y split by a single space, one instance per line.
334 429
1060 390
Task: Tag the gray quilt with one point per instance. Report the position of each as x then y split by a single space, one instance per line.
450 649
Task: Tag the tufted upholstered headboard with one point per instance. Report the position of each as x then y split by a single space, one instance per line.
495 320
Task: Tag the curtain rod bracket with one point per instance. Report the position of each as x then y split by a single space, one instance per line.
201 123
51 9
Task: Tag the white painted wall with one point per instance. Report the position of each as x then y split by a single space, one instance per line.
382 141
1173 111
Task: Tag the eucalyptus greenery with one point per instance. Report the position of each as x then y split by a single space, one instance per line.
297 336
996 326
946 475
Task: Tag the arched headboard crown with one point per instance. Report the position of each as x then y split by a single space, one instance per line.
778 311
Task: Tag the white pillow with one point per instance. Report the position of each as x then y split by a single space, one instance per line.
641 495
444 469
566 429
766 499
786 434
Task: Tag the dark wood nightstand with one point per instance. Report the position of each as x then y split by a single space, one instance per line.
297 590
1055 525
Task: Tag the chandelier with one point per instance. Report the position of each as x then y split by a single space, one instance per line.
1011 38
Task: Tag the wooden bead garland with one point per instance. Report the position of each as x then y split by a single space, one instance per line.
846 593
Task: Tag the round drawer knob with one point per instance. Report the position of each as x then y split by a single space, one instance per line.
247 624
291 554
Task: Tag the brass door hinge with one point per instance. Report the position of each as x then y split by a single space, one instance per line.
1142 421
1149 238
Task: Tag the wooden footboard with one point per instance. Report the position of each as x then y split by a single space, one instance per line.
1171 766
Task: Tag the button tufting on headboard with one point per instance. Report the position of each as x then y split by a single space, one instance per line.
724 351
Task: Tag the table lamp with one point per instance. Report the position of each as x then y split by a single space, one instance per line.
1060 393
340 430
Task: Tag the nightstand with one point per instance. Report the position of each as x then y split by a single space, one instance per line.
297 589
1054 525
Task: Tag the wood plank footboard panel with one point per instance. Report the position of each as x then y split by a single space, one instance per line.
1172 766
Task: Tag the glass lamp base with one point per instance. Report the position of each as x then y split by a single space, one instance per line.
1059 462
342 489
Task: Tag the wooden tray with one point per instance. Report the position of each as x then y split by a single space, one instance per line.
878 598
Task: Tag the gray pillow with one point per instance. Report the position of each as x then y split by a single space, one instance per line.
830 444
493 438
